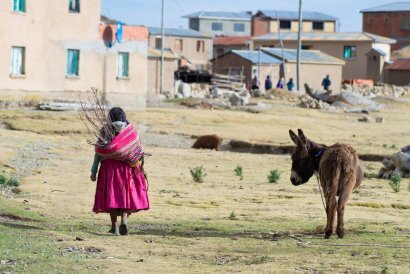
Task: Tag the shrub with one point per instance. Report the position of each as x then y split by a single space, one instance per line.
395 182
8 182
239 172
274 176
198 174
232 216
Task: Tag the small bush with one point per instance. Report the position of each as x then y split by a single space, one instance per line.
8 182
393 146
395 182
274 176
385 145
239 172
198 174
232 216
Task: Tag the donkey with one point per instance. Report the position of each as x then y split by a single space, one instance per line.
339 171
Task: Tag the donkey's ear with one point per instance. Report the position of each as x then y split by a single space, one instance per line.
294 137
302 137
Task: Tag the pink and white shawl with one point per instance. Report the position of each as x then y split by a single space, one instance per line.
126 146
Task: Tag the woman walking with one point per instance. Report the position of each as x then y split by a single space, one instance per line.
121 184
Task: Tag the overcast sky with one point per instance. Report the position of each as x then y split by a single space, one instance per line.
148 12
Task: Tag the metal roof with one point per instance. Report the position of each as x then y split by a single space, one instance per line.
392 7
223 15
379 51
400 64
293 15
306 56
177 32
156 53
253 56
327 36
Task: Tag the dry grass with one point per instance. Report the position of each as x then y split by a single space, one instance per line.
190 228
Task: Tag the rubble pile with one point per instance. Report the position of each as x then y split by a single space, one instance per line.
379 89
309 102
397 164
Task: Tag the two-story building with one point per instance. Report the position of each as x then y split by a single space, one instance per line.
52 49
217 23
390 20
193 48
274 21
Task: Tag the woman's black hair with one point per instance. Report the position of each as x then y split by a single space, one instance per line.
117 114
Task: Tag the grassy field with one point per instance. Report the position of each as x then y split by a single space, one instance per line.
221 225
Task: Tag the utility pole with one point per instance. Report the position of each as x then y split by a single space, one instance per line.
162 48
299 47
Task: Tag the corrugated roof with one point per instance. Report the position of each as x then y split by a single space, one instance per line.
241 16
379 51
306 56
231 40
327 36
391 7
293 15
156 53
177 32
400 64
253 56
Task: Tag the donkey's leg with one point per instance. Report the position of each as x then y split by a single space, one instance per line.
344 196
331 205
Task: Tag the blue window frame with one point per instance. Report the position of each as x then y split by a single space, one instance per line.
19 5
123 59
349 52
73 59
217 26
74 5
239 27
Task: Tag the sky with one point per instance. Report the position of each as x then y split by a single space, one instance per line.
148 12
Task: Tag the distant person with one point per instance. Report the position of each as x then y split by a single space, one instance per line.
326 83
255 83
280 83
290 85
268 83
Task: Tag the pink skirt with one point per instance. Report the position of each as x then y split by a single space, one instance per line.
120 186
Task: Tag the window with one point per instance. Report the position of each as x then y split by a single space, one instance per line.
318 25
239 27
304 47
200 46
179 45
158 42
217 26
123 58
74 5
19 5
17 61
285 24
73 58
194 23
405 23
386 20
350 52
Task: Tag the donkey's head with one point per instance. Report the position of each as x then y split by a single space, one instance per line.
303 166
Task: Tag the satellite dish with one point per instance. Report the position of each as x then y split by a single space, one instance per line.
108 36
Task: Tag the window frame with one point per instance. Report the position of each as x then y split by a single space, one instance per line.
242 25
405 23
351 55
77 69
158 42
181 45
22 7
318 22
77 4
214 24
125 75
22 71
200 46
285 22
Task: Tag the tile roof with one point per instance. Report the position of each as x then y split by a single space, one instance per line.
177 32
293 15
129 33
253 56
400 64
241 16
327 36
231 40
391 7
306 56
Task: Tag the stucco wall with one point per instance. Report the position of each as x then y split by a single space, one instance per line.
154 74
205 27
189 49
